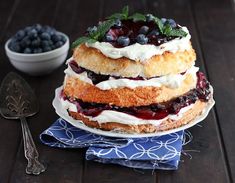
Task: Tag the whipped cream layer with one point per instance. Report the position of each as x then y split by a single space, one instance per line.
123 118
171 81
140 52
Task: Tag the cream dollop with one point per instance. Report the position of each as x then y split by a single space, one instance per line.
171 81
140 52
123 118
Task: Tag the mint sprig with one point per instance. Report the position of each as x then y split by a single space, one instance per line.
102 28
82 40
96 35
137 17
122 16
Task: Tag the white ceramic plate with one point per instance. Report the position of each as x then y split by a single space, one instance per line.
77 123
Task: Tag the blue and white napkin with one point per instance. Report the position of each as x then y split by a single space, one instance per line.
161 152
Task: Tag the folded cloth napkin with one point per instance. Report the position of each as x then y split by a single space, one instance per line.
161 152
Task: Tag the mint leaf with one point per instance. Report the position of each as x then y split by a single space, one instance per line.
82 40
122 16
116 16
137 17
125 11
167 29
177 32
159 24
103 28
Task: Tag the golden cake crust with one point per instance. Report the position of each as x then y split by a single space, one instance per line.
144 128
158 65
125 97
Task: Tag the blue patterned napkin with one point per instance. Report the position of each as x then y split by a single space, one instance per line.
161 152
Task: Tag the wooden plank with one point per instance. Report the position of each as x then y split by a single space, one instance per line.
216 27
210 159
9 140
100 173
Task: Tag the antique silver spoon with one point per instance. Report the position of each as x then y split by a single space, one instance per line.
17 101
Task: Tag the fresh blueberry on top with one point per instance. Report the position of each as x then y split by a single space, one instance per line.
90 30
154 33
109 37
141 39
163 20
117 23
123 41
149 17
172 23
144 30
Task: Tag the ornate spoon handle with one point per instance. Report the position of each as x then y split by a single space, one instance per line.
30 151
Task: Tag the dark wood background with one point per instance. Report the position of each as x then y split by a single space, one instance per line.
212 26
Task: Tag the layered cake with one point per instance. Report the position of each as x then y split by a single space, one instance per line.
134 74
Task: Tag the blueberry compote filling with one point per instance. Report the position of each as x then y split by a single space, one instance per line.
97 78
128 32
154 111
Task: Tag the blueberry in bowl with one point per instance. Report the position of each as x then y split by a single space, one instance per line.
37 50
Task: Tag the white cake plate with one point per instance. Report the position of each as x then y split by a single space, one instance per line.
79 124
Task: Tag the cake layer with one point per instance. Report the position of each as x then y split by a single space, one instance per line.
125 97
150 127
141 53
106 82
158 65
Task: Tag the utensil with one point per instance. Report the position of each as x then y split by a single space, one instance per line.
17 101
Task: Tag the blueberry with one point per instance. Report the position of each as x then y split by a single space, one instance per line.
45 43
38 27
45 36
47 48
63 39
25 42
123 41
117 23
27 50
91 30
20 34
172 23
142 39
144 30
58 44
55 38
32 34
27 29
37 50
163 20
109 38
149 17
36 42
15 47
50 42
154 33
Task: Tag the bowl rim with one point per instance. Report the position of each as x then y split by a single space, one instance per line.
55 52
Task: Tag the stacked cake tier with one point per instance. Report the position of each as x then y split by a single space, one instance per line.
138 76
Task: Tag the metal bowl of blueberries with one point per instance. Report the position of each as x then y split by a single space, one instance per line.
37 50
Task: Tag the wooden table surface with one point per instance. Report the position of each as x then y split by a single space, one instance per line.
212 26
